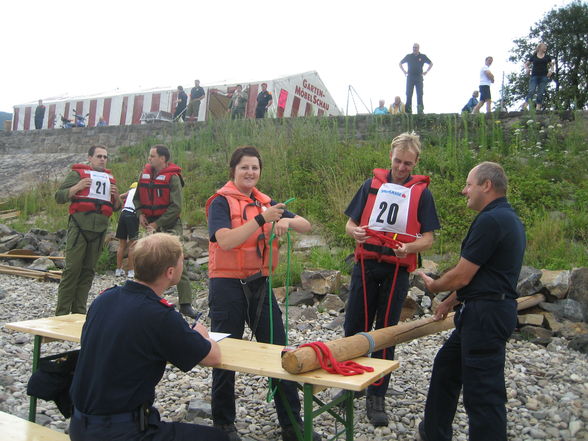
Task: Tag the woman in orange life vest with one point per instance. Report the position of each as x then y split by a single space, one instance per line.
240 220
400 206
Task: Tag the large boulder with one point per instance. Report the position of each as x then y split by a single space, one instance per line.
579 289
557 283
321 281
529 281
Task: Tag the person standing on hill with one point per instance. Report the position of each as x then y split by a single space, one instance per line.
540 68
196 97
264 101
159 204
91 191
484 281
399 207
181 105
486 79
414 76
39 115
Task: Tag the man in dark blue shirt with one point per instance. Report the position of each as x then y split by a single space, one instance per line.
484 281
130 334
414 76
264 101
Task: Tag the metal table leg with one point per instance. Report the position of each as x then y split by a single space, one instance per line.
36 357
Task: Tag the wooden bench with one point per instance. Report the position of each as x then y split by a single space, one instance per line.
14 428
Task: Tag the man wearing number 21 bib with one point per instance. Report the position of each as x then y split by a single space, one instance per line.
91 191
392 218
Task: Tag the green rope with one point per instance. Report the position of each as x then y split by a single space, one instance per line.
272 390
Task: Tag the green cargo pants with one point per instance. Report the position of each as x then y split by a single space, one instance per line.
184 289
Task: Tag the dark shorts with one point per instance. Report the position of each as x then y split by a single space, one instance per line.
485 93
128 226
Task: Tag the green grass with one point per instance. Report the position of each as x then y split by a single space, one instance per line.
322 162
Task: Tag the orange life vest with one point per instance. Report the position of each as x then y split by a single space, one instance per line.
154 191
83 201
252 256
375 248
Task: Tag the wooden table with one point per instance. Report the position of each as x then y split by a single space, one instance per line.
240 356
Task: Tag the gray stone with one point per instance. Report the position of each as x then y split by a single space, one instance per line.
192 250
5 230
301 297
306 242
47 247
321 281
557 283
41 264
579 288
537 335
199 409
571 310
337 323
529 281
579 343
309 314
332 302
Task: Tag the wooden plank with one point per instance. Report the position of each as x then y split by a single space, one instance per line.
62 327
13 428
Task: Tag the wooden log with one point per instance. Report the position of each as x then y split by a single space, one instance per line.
347 348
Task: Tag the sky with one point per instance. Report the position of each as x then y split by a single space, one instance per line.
83 48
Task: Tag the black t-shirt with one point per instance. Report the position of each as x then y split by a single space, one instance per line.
540 65
40 112
415 63
183 99
263 98
196 92
219 216
128 338
426 214
496 242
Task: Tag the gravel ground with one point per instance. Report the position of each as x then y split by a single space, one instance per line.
547 387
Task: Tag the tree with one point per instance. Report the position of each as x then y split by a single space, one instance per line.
565 31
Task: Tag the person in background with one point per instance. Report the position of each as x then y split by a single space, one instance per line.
473 101
414 76
240 221
238 102
127 233
101 122
400 206
91 191
264 101
486 79
181 105
39 115
131 333
484 282
381 109
159 204
397 107
196 97
540 67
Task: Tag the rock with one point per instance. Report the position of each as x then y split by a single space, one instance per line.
570 329
571 310
531 319
7 243
336 324
301 297
321 281
429 267
202 260
551 322
332 302
280 293
579 343
192 250
557 283
579 289
537 335
309 314
200 409
409 308
47 247
307 241
529 281
5 230
200 236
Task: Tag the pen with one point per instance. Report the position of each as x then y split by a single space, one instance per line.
196 318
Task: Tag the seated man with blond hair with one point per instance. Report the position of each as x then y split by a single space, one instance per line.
131 333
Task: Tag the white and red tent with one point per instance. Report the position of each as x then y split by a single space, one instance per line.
304 94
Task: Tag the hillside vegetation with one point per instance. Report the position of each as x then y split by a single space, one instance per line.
321 162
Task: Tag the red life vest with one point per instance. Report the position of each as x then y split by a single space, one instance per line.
375 248
154 191
83 201
252 256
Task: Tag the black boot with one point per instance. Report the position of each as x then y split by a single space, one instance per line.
421 435
376 410
187 310
230 430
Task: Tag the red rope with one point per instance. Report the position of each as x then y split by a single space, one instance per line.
388 240
331 365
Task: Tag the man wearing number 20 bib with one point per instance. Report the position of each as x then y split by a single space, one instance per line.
91 191
397 205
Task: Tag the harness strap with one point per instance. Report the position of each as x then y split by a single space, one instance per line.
331 365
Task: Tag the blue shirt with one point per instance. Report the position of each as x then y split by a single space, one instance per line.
128 338
496 242
380 111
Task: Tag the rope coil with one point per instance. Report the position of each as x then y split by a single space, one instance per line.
331 365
